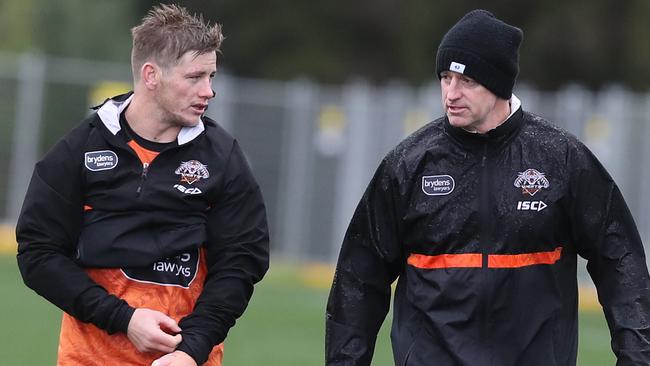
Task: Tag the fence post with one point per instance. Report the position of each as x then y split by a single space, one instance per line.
428 100
644 165
611 107
26 131
353 164
296 168
222 106
390 117
572 108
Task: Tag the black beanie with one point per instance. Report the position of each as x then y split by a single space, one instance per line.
483 48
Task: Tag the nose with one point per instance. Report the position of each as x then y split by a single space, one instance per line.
206 90
453 89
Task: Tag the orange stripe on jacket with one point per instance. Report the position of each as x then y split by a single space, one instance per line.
523 260
475 260
445 261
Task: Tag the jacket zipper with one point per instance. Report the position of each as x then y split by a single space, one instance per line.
484 244
143 178
484 214
145 167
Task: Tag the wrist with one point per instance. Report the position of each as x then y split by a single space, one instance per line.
121 319
186 357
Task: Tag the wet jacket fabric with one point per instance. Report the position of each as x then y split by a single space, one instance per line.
483 232
102 233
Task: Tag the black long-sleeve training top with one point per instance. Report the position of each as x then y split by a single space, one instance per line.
92 203
483 232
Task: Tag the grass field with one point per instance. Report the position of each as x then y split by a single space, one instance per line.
284 325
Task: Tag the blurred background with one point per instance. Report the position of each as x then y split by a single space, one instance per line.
317 92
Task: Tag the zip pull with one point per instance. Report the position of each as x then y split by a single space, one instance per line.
484 158
143 177
145 169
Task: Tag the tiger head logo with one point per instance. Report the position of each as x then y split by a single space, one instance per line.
531 181
192 171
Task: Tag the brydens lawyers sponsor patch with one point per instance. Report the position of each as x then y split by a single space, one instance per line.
438 185
100 160
177 271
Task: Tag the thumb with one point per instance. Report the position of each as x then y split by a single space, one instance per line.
159 362
169 324
165 360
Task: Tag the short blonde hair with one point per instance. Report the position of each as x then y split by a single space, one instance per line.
167 32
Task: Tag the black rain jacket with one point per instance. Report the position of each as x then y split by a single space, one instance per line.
139 216
483 232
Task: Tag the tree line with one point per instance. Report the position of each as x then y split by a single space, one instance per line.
592 42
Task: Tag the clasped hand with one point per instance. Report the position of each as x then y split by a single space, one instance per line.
153 331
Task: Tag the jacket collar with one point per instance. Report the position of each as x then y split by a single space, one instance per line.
494 138
109 113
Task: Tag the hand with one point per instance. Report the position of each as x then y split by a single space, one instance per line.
153 331
176 358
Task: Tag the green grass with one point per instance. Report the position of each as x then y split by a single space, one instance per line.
31 325
284 325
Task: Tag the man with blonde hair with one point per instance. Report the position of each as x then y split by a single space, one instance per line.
144 223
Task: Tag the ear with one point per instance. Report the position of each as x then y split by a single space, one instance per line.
150 75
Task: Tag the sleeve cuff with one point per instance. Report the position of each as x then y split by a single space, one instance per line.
121 318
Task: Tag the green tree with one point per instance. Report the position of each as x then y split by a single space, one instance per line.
593 42
75 28
18 24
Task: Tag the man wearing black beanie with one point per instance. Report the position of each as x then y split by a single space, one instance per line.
481 214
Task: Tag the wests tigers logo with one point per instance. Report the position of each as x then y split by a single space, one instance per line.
531 181
192 171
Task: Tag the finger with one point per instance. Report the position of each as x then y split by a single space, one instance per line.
154 345
165 360
167 323
167 340
160 342
177 339
161 348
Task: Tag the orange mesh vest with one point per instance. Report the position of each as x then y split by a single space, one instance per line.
85 344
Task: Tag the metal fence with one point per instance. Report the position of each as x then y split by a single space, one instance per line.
313 148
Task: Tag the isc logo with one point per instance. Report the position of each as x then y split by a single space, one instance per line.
531 205
192 190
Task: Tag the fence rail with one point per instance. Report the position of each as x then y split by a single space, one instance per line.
312 147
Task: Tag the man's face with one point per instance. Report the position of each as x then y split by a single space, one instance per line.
468 104
185 88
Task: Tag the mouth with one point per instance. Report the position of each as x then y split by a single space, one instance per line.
199 108
454 109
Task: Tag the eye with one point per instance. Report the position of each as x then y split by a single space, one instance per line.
470 83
